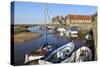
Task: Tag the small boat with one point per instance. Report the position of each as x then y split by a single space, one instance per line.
36 55
57 55
73 32
61 31
83 54
67 54
80 55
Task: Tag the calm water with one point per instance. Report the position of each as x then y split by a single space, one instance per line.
26 48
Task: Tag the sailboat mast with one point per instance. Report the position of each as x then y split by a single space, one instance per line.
48 15
45 21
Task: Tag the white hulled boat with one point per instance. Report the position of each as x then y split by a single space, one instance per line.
58 54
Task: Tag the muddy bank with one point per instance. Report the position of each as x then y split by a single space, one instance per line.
25 36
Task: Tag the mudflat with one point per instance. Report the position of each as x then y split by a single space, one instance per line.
25 36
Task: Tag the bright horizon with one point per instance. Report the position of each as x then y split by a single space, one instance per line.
33 13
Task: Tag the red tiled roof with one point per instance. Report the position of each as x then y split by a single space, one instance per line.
81 17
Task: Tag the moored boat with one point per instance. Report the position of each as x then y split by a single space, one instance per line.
67 54
36 55
58 55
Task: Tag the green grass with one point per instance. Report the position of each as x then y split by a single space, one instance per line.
19 29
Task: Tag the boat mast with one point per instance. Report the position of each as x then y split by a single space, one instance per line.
45 21
48 15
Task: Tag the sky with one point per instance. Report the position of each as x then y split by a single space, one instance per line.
33 13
